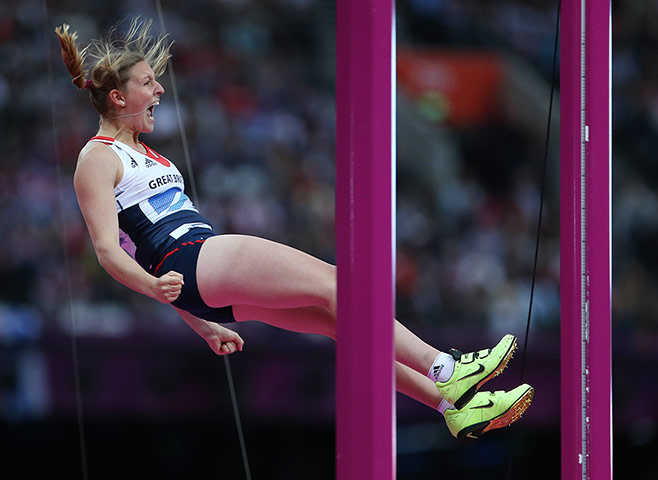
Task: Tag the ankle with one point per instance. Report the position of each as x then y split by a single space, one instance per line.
445 405
442 368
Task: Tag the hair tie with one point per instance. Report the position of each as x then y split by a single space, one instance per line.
88 84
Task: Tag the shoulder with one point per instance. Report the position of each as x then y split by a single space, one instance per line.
96 152
97 162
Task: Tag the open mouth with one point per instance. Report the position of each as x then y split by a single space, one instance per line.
149 111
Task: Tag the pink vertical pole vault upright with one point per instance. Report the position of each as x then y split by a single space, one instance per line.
586 274
365 382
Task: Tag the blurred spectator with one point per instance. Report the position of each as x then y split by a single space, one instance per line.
257 106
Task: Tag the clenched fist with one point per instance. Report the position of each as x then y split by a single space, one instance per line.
167 288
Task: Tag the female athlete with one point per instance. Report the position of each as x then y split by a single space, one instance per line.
131 195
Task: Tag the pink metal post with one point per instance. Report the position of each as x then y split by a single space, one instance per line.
586 281
365 398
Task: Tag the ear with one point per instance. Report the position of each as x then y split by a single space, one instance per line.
116 98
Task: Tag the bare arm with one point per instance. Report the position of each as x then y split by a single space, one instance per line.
97 172
220 339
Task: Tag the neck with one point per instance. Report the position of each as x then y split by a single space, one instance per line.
118 132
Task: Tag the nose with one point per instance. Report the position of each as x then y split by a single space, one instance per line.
159 89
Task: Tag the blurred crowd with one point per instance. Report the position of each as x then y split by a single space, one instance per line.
255 85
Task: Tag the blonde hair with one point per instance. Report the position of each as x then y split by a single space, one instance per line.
112 59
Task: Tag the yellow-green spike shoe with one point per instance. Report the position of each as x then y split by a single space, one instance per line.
488 411
473 369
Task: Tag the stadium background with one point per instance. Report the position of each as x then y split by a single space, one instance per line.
256 79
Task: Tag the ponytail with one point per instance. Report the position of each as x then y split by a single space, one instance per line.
72 57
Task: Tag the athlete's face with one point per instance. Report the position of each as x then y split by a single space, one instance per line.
141 94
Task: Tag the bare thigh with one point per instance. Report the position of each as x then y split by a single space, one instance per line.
246 270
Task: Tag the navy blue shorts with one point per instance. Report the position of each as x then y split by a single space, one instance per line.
182 258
